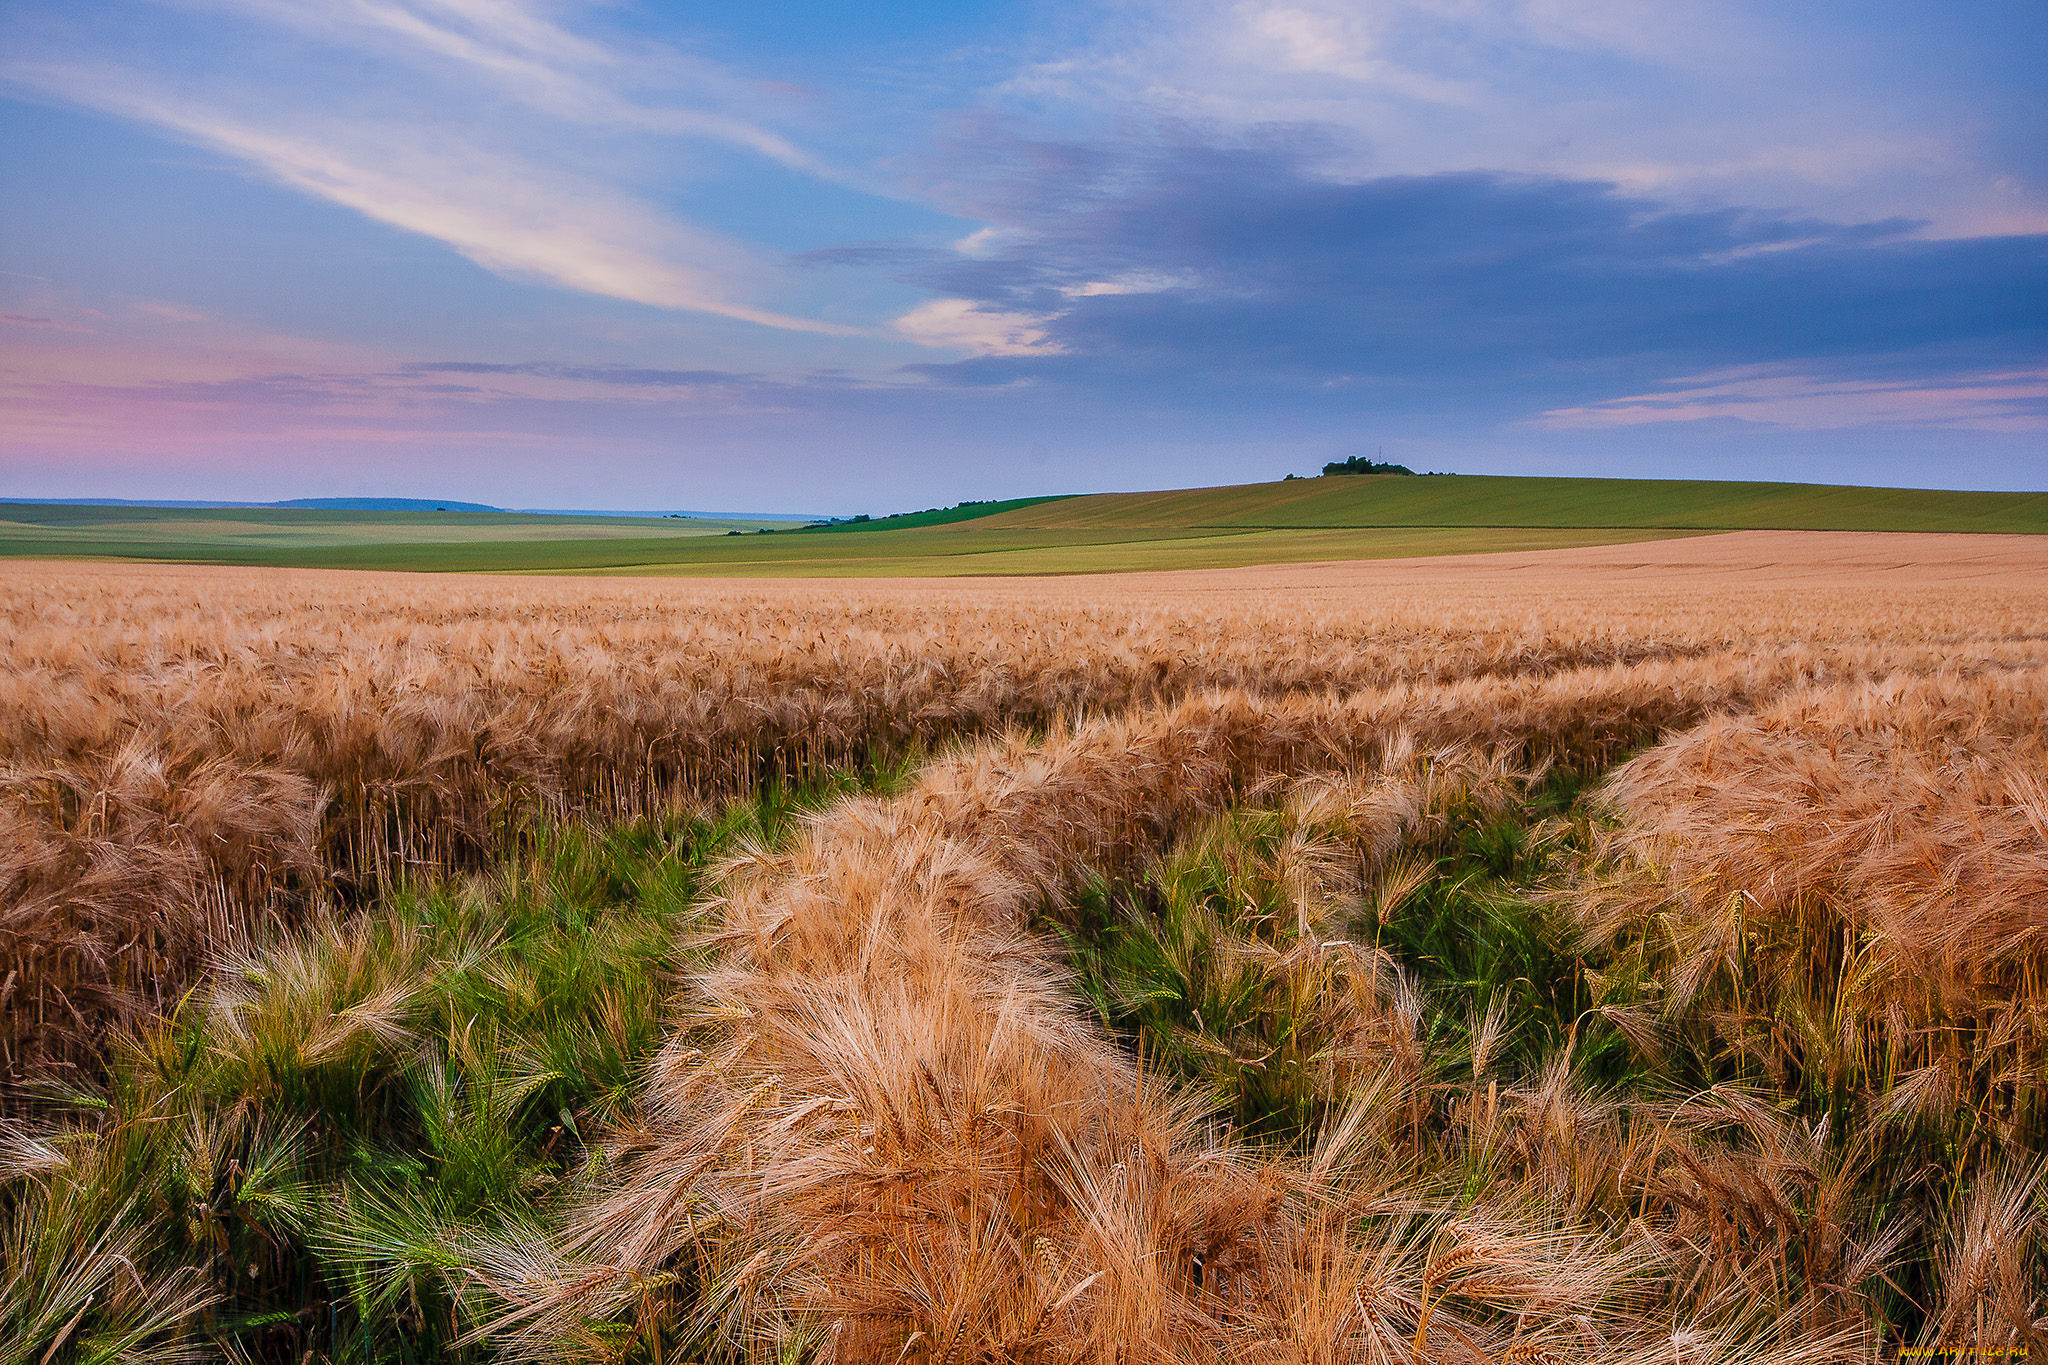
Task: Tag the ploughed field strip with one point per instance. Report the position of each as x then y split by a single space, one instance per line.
1621 954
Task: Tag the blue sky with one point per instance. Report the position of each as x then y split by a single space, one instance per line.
863 257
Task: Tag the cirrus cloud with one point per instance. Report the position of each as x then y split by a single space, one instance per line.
524 195
2011 401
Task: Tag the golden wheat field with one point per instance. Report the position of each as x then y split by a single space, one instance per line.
1626 954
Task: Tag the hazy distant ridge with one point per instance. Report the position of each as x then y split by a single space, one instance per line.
381 505
410 505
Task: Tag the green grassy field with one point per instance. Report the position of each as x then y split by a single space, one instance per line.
1478 501
1295 521
292 535
1011 551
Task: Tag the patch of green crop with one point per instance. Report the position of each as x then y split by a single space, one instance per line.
299 1163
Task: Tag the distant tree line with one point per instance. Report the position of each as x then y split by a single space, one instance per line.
893 516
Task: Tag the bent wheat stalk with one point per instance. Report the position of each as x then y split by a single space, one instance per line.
911 1128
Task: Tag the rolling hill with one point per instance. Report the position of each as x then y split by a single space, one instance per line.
1456 500
1294 521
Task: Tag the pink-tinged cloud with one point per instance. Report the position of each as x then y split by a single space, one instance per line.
167 380
42 324
2008 401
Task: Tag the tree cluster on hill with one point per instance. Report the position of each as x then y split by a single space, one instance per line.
1358 464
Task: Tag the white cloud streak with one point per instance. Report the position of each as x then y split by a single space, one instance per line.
529 57
428 154
2010 401
966 325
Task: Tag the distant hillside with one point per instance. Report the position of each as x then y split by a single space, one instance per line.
1368 516
383 505
1464 500
408 535
316 504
